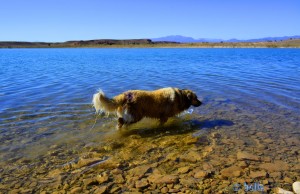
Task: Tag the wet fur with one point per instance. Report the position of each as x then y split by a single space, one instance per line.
133 105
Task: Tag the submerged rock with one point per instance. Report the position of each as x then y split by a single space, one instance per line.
189 181
86 162
247 156
161 179
201 174
55 173
276 166
233 171
243 164
139 171
257 174
191 156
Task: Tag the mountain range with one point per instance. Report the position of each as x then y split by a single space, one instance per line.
185 39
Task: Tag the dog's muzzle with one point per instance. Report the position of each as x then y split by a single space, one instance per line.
197 103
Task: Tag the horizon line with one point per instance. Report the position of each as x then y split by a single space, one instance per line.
220 39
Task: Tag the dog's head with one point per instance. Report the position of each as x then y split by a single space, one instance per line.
192 98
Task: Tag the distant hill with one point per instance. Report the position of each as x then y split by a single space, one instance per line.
184 39
76 43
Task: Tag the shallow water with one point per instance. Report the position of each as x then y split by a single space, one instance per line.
46 94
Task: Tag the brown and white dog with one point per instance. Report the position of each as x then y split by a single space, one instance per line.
133 105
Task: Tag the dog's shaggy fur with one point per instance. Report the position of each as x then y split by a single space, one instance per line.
133 105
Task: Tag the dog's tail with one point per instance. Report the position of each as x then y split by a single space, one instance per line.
103 103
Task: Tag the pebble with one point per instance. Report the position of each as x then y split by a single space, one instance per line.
216 135
54 173
296 187
279 190
276 175
191 140
201 174
287 180
119 179
183 170
102 178
101 189
76 190
115 189
116 171
140 171
89 181
142 183
164 190
173 191
265 182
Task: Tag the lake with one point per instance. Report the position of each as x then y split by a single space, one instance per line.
251 100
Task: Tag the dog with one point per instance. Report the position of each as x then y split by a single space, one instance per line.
133 105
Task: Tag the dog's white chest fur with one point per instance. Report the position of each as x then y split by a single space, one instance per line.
169 93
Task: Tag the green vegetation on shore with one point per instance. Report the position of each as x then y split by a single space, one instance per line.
147 43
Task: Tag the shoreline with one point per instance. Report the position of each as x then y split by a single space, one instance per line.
125 47
294 43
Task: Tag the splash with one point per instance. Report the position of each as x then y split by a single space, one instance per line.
186 112
189 111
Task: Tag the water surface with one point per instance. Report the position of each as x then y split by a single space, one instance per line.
45 94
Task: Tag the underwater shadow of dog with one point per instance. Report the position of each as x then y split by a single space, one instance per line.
177 128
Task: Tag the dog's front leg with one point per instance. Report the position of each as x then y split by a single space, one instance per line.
163 120
120 123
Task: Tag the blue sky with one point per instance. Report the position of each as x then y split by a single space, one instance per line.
62 20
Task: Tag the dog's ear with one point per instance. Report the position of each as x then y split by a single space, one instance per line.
189 96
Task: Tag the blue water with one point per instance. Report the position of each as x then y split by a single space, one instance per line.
46 92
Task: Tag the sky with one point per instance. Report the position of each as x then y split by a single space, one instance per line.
63 20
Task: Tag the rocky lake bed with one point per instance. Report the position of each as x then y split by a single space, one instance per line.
218 152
